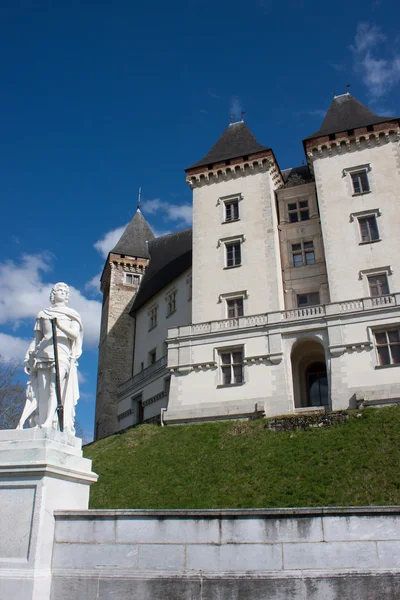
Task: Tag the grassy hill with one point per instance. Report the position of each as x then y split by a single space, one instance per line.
242 464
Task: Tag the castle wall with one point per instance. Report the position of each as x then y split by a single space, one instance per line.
116 339
330 553
346 255
259 273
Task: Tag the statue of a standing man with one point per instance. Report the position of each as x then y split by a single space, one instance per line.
41 404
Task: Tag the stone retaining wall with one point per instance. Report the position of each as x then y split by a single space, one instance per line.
302 554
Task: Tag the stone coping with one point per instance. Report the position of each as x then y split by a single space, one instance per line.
231 512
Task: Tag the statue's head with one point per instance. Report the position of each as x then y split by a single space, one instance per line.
59 293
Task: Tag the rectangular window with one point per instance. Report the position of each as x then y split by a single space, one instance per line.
153 317
303 254
388 346
308 299
298 211
189 287
378 285
152 356
171 303
232 367
360 182
231 210
368 229
233 254
131 279
234 308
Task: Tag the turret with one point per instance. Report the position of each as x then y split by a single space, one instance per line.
123 271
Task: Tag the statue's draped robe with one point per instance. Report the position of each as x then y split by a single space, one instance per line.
42 366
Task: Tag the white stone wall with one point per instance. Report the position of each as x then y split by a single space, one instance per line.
260 272
345 256
307 278
347 344
145 339
345 553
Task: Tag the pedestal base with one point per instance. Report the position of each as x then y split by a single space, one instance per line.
41 470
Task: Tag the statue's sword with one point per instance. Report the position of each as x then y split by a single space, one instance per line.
60 408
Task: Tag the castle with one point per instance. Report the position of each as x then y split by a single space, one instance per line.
283 298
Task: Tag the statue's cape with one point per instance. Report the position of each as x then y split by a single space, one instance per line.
57 311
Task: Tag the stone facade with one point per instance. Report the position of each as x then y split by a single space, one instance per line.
119 284
295 276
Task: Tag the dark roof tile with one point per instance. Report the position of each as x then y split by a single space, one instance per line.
344 113
170 255
237 140
133 242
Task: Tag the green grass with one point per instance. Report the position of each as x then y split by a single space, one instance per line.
243 464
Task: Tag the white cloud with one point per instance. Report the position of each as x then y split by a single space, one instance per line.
379 73
180 213
93 285
236 109
105 244
23 292
13 347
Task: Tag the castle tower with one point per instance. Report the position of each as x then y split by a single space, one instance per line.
355 157
235 225
119 283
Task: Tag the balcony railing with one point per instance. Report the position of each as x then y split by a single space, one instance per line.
159 364
287 316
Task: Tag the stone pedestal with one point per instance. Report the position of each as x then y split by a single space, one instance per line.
41 470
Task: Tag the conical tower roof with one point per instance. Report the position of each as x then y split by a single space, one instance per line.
346 112
237 140
133 242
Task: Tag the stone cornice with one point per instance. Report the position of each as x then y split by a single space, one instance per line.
235 167
382 133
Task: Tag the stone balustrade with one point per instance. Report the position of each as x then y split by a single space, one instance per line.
286 316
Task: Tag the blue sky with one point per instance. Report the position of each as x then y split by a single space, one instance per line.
99 98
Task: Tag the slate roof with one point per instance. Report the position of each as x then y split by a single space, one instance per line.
170 255
346 112
296 176
237 140
133 242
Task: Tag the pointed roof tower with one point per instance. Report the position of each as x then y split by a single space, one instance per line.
133 242
346 113
237 140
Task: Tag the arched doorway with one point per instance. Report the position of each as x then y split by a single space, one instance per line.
316 384
310 379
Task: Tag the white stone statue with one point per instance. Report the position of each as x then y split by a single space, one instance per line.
41 403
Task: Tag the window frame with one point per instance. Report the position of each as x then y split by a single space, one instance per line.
302 252
308 294
150 354
153 316
233 244
170 299
377 275
234 299
298 210
231 364
353 172
366 214
388 344
225 201
135 276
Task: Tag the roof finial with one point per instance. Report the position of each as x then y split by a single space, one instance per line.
243 113
138 202
347 87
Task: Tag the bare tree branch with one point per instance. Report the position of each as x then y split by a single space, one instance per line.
12 394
